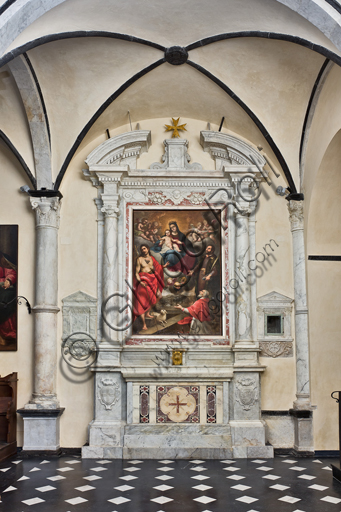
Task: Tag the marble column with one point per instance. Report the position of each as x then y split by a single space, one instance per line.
302 409
252 279
41 414
107 429
243 321
100 237
110 265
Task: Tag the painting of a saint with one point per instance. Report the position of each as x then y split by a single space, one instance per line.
8 287
176 273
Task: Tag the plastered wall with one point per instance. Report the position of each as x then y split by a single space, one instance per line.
324 284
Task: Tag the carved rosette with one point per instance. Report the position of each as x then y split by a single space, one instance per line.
296 214
47 211
108 393
156 197
276 348
246 392
176 196
196 198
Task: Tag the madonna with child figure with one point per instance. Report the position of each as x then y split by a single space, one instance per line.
176 250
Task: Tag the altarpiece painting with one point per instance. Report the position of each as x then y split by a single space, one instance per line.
176 272
8 287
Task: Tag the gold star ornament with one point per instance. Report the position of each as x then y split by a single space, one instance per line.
176 127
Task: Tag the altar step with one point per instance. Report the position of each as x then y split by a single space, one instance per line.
177 441
237 440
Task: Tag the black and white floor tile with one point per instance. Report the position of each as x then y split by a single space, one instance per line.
68 484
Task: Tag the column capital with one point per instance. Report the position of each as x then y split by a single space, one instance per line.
296 214
47 211
109 204
110 210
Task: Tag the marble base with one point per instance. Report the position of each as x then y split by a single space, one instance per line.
239 439
304 435
249 440
105 434
162 441
98 452
177 453
280 429
41 429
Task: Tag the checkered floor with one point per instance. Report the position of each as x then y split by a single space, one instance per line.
68 484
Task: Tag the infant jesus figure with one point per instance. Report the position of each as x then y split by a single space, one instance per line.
168 244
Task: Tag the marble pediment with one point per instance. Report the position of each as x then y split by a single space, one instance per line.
79 298
274 299
227 150
120 151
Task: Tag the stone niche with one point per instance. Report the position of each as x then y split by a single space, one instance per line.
79 314
274 312
204 403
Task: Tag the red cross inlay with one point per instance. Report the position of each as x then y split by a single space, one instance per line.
178 404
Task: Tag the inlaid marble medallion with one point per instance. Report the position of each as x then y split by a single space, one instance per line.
178 404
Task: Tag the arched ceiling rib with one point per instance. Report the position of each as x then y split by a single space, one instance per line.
35 43
13 119
26 81
254 69
5 140
326 67
167 23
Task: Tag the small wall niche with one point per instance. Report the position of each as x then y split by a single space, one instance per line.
274 312
274 325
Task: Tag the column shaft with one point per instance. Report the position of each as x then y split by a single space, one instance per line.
46 291
301 309
243 322
110 267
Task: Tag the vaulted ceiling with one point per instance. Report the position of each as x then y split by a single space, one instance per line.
258 63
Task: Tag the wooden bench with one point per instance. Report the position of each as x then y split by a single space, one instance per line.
8 416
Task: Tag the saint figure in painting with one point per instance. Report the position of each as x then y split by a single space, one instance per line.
8 320
199 312
208 271
148 286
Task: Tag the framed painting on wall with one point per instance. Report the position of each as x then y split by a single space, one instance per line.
177 272
8 286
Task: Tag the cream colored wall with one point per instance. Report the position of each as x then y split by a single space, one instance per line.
77 77
279 379
77 271
324 279
273 78
16 209
13 120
